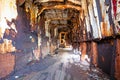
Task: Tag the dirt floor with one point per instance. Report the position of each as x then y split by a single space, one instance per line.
65 65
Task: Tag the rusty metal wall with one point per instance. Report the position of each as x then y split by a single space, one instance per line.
7 63
102 22
8 60
8 12
98 17
117 60
116 15
105 52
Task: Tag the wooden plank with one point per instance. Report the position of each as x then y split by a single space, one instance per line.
59 7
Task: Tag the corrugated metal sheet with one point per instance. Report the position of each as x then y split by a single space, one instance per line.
105 19
98 17
105 52
93 22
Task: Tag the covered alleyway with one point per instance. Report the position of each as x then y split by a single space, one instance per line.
59 40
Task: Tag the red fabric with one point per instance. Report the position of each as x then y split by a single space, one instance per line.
119 2
114 2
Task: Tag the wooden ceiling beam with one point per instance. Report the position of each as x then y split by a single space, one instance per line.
59 25
46 1
65 6
54 19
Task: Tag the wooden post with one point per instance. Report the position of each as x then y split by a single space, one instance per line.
83 50
94 53
39 37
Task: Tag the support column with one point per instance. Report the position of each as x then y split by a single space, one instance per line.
94 54
39 45
83 50
39 37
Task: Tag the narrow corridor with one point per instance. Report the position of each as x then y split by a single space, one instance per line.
60 40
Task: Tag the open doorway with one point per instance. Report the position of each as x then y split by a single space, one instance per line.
62 39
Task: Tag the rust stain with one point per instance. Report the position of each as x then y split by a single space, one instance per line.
7 63
103 29
83 50
103 59
105 32
117 64
111 30
94 52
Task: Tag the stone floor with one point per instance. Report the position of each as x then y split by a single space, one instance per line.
65 65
